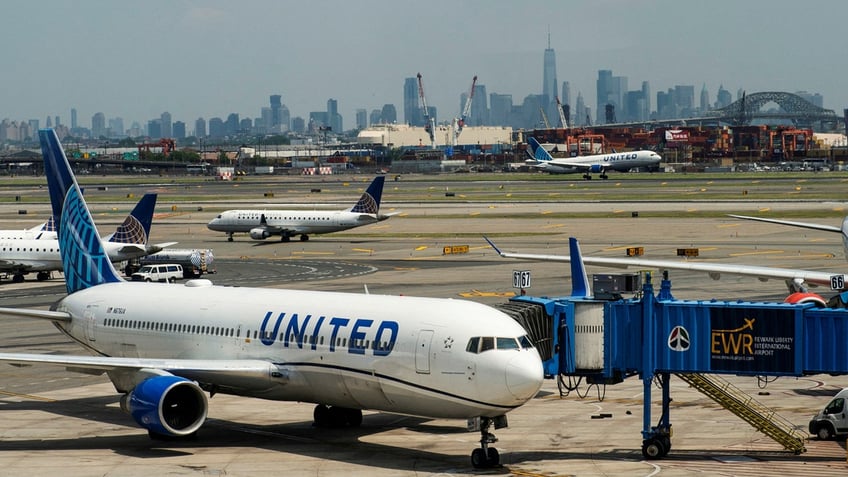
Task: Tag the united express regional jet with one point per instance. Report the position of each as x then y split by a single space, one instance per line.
166 346
263 223
617 161
21 253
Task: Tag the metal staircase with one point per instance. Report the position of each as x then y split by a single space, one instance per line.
751 411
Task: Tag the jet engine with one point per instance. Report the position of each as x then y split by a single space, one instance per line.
596 168
167 405
259 233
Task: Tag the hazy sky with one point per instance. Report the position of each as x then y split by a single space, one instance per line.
198 58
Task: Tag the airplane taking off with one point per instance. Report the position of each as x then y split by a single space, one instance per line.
617 161
20 256
263 223
164 346
796 280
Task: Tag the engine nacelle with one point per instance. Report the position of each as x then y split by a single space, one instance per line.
596 168
259 234
800 298
167 405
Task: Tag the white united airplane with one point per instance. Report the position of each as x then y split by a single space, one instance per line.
263 223
617 161
22 253
165 346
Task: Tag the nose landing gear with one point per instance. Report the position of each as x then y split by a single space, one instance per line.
486 457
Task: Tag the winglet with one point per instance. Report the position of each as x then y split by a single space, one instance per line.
492 244
84 261
579 281
136 227
369 203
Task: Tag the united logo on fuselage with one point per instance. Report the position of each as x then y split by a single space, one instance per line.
356 336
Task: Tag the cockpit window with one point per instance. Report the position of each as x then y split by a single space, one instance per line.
479 344
487 343
507 343
525 342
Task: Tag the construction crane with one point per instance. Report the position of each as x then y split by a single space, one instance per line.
562 120
430 123
544 118
460 123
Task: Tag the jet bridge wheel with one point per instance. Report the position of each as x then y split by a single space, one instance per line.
656 447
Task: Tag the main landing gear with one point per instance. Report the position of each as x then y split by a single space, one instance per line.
334 416
229 236
486 457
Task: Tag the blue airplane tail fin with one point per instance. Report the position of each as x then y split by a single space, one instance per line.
136 227
579 280
84 260
537 151
369 203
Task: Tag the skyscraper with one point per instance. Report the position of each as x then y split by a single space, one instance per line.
549 83
166 124
276 106
73 118
334 119
411 111
98 125
200 128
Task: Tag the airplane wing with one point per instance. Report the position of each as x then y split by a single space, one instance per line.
796 279
581 166
158 247
806 225
223 372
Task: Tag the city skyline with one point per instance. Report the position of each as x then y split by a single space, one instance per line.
133 62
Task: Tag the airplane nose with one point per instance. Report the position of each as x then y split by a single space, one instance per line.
524 375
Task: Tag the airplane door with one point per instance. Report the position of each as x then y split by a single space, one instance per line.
422 352
90 321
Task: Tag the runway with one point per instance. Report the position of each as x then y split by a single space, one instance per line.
57 422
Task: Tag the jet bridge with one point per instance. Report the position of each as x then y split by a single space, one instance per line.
654 336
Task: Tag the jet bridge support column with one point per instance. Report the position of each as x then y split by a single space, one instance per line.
656 440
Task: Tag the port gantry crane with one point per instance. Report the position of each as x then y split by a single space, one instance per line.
466 110
430 122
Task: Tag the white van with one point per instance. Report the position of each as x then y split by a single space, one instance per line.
166 272
832 421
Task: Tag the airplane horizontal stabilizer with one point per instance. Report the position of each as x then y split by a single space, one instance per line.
40 314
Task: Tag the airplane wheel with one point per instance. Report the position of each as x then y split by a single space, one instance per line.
478 459
42 276
229 239
493 457
304 238
353 417
17 278
321 416
285 238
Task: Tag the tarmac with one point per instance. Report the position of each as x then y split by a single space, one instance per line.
59 423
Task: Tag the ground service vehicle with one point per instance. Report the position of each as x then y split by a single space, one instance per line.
169 272
832 421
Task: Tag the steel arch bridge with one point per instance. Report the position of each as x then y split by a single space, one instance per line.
794 108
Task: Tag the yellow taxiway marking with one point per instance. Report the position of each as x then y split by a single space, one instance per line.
26 396
473 214
420 248
553 226
478 293
764 252
546 212
312 253
366 250
721 226
406 268
764 209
